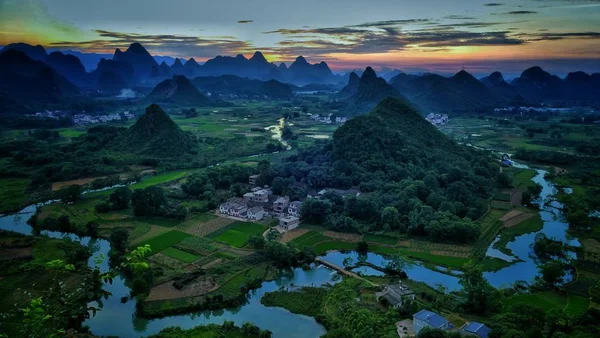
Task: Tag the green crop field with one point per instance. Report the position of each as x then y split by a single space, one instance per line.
310 239
577 305
237 233
233 237
546 300
380 239
163 241
12 194
180 254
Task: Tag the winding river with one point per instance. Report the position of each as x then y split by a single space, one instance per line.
119 319
554 226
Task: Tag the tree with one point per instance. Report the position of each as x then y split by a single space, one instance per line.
149 202
315 210
257 241
362 247
480 296
390 218
553 273
120 198
91 228
70 194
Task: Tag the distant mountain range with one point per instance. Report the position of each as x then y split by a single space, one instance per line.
29 72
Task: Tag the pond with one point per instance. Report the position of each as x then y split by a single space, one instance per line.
119 319
554 226
415 271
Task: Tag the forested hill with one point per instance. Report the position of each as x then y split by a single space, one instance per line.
412 178
156 134
388 132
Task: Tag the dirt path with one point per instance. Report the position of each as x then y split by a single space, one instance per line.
353 238
205 228
293 234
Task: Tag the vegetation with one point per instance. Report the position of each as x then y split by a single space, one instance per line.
306 301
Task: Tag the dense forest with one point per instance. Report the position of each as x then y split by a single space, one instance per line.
412 178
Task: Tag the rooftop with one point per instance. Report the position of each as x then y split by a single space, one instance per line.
431 318
256 209
289 219
295 204
478 329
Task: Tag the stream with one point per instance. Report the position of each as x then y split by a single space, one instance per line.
554 226
277 130
119 319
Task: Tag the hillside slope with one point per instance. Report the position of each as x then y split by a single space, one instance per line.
155 134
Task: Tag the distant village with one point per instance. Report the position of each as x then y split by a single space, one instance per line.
260 203
525 109
437 119
84 119
328 119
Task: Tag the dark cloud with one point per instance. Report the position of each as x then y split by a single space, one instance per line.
393 23
459 17
471 24
549 36
493 4
179 45
519 12
245 21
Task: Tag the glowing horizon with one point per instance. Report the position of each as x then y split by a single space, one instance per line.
432 34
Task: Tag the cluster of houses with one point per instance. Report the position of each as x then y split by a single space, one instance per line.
437 119
327 118
83 119
261 203
397 294
49 114
522 109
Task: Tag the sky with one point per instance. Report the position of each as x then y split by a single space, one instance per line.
412 35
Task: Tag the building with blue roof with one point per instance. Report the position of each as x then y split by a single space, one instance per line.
426 318
476 329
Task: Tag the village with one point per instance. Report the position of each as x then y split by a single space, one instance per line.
260 203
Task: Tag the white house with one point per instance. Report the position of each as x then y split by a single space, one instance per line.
289 223
294 208
256 213
280 205
239 210
234 207
425 318
258 196
252 179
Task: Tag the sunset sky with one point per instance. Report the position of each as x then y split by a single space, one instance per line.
436 35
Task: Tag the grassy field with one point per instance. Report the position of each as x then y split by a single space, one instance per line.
507 235
546 300
12 194
309 239
306 301
237 233
234 238
165 240
577 305
522 178
380 239
180 254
